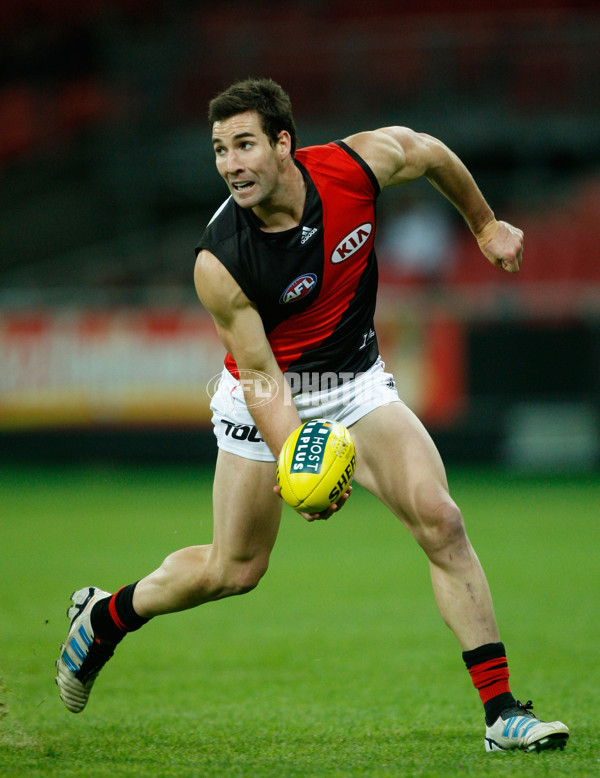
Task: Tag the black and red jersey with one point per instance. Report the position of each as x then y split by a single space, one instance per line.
314 285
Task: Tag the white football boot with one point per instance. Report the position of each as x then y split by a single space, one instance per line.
517 727
82 655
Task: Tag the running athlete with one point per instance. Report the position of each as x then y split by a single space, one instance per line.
288 272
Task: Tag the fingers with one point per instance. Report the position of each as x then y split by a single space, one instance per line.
324 515
334 508
511 264
505 250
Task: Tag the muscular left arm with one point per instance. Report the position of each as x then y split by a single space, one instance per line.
241 331
397 155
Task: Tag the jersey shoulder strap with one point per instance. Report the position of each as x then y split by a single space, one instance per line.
339 163
225 236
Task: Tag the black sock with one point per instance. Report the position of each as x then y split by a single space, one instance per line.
113 617
495 706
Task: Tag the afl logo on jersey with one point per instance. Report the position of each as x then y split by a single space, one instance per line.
299 287
351 243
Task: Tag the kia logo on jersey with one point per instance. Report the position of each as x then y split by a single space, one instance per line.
299 287
351 243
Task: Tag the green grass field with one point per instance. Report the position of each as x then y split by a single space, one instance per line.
338 664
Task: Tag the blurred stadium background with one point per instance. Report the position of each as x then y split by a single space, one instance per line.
107 180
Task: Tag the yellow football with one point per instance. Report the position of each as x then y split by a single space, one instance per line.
316 465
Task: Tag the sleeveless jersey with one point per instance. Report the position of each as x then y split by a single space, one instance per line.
315 285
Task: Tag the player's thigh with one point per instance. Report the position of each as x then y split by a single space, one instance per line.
398 462
246 511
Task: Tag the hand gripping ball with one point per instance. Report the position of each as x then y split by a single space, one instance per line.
316 465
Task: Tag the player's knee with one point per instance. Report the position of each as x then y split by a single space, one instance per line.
442 528
240 577
247 577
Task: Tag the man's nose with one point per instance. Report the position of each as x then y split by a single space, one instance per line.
232 162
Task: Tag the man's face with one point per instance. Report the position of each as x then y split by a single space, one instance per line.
246 159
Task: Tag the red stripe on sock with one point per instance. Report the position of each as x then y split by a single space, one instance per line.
113 613
490 678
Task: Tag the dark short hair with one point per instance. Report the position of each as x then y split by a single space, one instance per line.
262 95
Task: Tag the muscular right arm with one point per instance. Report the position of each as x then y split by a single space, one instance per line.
397 155
241 331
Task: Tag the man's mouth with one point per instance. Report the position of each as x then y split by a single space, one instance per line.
240 186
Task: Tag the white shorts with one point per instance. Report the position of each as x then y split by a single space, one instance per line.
347 402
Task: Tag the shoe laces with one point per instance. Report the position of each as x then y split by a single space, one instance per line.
519 709
526 707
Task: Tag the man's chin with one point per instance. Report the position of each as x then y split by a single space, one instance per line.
245 198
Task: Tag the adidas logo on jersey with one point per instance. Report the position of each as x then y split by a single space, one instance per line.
307 233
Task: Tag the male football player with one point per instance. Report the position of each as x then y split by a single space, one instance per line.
287 269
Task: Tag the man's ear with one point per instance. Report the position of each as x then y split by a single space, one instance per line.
284 144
